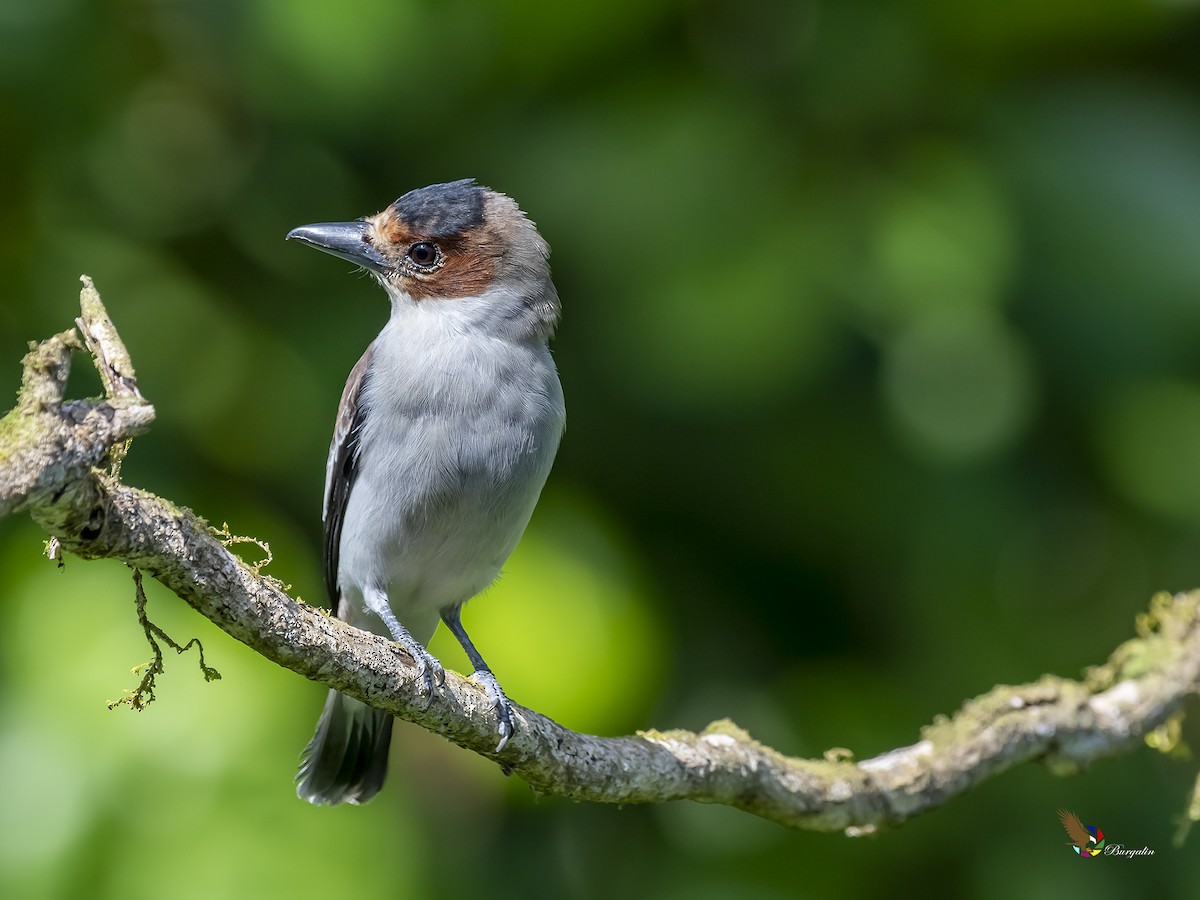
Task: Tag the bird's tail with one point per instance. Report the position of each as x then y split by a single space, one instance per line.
346 760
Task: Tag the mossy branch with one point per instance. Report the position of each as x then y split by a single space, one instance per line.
58 463
143 695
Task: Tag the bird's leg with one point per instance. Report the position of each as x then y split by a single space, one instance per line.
452 616
429 670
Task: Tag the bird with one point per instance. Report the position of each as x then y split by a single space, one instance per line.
1077 832
445 434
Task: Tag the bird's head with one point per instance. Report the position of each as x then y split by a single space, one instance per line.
458 242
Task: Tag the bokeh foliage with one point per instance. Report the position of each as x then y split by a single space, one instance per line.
882 357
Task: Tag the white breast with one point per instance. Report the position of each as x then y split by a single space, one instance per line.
460 431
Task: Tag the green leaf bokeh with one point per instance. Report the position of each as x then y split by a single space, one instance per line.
882 356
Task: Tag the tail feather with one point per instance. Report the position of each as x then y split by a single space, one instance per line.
346 760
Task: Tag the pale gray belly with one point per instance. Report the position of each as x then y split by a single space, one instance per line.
434 513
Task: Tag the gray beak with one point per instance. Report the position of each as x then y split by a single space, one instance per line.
347 240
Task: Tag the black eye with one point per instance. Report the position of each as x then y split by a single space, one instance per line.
423 253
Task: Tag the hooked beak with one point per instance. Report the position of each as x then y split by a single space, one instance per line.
347 240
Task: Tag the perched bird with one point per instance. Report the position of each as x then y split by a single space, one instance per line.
445 434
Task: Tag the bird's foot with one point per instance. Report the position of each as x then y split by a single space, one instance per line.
485 679
429 670
430 673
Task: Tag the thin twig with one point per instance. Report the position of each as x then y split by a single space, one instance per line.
143 695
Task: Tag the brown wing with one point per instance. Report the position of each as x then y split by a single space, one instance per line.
1075 829
342 468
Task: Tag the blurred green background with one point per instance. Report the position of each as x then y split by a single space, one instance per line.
882 357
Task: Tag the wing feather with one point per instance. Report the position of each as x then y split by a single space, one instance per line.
342 468
1075 828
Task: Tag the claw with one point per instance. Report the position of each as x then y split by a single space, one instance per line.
488 682
504 713
429 670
